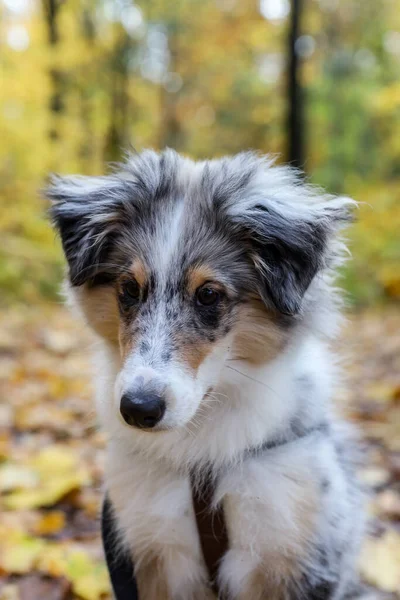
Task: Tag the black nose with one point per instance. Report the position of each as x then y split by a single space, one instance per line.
142 409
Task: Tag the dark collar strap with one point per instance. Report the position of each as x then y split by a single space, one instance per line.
295 433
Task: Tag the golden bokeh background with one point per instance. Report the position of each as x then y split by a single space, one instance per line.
82 80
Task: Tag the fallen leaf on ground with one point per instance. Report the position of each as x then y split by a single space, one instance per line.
9 592
382 392
57 470
47 433
380 560
6 415
19 552
50 523
36 416
58 341
388 504
15 477
90 580
38 587
374 477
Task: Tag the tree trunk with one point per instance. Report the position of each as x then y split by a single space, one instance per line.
87 144
295 122
171 134
118 135
51 8
56 103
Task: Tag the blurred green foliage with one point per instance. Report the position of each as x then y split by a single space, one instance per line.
82 79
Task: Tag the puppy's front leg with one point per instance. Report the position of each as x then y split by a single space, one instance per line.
155 517
275 521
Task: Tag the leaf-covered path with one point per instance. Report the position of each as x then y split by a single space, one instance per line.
51 454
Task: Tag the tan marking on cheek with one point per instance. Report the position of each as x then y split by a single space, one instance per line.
192 353
258 337
100 308
139 272
197 276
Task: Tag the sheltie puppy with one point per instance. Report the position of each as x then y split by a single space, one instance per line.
210 288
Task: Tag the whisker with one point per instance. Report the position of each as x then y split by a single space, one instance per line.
247 376
189 431
268 387
213 394
212 400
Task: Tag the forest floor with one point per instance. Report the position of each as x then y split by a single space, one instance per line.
51 454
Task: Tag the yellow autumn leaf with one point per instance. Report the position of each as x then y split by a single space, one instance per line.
89 579
46 494
58 472
380 560
16 477
55 459
4 445
54 560
19 552
93 585
381 392
49 523
37 416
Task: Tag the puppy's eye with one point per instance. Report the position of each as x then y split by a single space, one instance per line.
130 292
207 296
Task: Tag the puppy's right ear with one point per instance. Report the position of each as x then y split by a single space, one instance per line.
86 212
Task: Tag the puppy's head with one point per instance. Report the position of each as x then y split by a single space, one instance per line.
180 265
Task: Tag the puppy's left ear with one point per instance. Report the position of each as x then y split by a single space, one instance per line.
290 244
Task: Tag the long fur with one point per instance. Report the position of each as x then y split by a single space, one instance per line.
256 370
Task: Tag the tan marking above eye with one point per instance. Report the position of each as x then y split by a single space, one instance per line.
139 272
198 276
